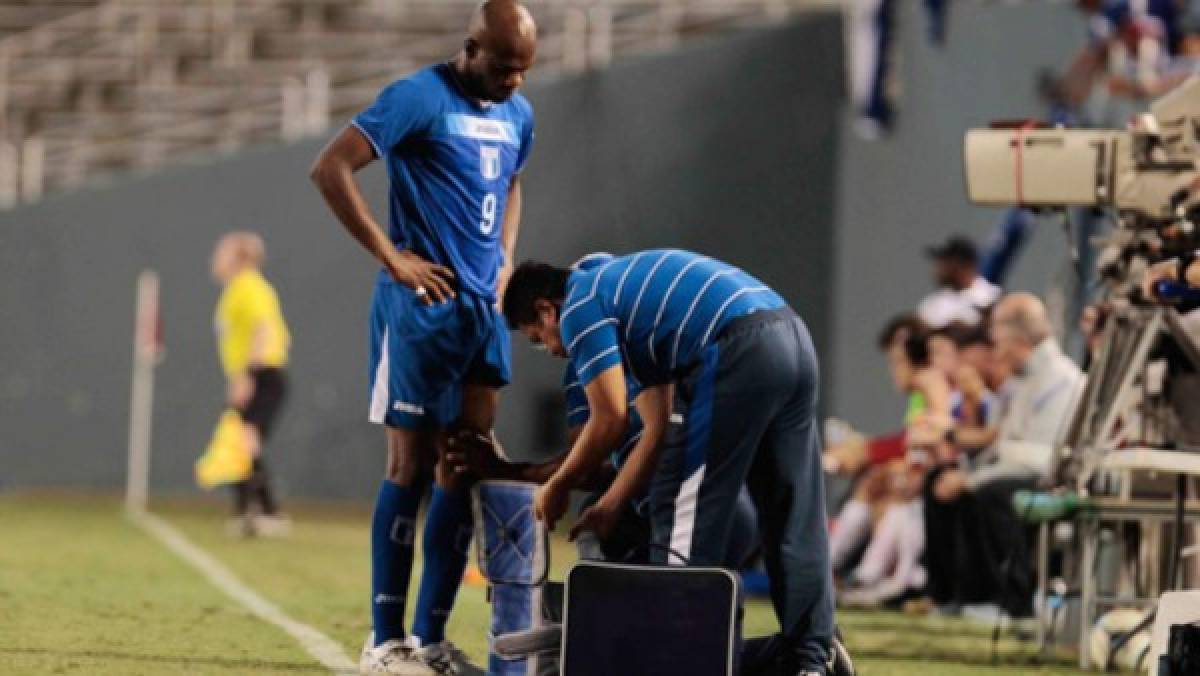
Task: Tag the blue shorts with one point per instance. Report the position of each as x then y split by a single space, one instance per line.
422 355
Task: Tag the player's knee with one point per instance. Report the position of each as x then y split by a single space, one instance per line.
403 473
410 456
403 468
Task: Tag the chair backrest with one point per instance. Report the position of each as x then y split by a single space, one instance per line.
639 620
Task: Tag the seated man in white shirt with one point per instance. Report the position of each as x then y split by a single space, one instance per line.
963 295
976 550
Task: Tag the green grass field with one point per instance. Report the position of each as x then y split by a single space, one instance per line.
83 591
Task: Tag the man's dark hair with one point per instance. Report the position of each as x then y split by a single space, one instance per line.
530 282
958 249
965 335
916 348
905 324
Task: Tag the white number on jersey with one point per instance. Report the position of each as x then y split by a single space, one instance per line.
488 209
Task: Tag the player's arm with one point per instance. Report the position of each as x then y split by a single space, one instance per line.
241 386
248 306
654 407
607 400
508 235
263 335
606 395
486 459
333 174
262 306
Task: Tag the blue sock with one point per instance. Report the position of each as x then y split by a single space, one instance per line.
447 539
393 529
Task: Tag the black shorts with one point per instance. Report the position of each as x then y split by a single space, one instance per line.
270 390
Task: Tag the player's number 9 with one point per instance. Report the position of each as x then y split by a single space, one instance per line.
488 211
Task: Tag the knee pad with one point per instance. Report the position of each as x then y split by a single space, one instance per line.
514 555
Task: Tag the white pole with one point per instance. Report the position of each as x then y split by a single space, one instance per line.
291 118
33 168
10 175
141 402
316 100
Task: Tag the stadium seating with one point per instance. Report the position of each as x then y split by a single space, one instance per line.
89 87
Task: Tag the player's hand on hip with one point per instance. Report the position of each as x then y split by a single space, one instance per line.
432 283
550 502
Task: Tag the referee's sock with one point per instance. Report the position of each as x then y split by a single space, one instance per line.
393 529
447 538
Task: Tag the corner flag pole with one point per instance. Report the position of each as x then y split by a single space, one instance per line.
146 351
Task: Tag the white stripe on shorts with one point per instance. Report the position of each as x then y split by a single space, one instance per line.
685 518
379 389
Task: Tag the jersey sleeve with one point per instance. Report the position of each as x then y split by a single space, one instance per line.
577 405
400 111
590 337
526 143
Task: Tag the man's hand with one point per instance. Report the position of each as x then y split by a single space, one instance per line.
470 451
950 485
601 518
433 283
240 390
1162 270
550 501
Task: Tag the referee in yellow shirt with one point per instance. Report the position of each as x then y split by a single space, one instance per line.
253 342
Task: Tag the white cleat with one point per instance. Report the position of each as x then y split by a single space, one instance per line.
445 659
391 658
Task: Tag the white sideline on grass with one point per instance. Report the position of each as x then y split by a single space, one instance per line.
326 651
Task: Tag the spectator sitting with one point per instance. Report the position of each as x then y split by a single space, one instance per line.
975 375
963 295
976 549
850 453
885 510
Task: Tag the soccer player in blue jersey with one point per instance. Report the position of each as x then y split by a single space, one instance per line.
709 341
454 137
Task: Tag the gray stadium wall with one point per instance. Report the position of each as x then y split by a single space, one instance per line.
737 146
726 146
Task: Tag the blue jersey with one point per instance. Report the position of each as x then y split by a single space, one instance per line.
450 162
578 413
656 310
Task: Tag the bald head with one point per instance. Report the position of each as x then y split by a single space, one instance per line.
500 46
1019 325
1025 314
505 23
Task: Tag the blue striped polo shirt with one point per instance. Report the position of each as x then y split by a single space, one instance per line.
655 310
